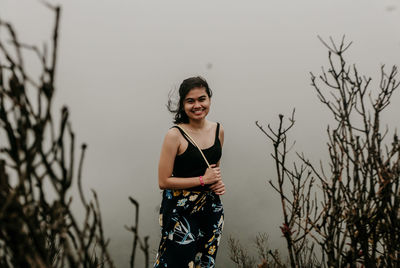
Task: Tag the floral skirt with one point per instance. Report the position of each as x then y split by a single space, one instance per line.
191 228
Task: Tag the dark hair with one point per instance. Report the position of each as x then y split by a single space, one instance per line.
187 85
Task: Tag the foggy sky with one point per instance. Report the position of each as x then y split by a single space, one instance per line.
119 59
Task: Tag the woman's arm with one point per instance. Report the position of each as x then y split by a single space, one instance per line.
168 152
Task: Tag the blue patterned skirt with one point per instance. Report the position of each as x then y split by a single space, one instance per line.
191 228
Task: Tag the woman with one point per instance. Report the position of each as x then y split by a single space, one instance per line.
191 213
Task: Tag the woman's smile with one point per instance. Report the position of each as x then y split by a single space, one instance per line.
198 112
197 103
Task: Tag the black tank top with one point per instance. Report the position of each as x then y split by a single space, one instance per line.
191 163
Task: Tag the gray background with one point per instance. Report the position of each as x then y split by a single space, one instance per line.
119 59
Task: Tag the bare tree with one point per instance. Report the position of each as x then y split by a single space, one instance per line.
355 218
37 167
143 243
298 200
267 258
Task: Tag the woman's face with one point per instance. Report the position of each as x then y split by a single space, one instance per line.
197 103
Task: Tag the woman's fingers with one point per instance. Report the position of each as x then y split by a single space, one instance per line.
218 187
212 175
217 172
213 186
217 179
220 193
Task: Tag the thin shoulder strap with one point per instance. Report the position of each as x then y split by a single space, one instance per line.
195 144
217 131
183 133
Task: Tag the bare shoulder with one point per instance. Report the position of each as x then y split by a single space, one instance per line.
172 134
214 125
171 141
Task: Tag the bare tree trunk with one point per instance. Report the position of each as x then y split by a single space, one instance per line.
356 222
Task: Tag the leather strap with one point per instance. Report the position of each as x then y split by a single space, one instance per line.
195 144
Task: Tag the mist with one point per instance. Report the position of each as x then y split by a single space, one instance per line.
119 60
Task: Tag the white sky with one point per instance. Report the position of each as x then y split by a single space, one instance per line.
119 59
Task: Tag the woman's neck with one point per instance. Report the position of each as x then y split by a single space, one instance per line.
197 125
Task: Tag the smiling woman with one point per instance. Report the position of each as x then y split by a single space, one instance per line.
197 103
191 213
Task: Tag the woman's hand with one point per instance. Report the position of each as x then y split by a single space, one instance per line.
218 188
212 175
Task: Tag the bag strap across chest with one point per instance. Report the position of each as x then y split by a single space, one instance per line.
195 144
